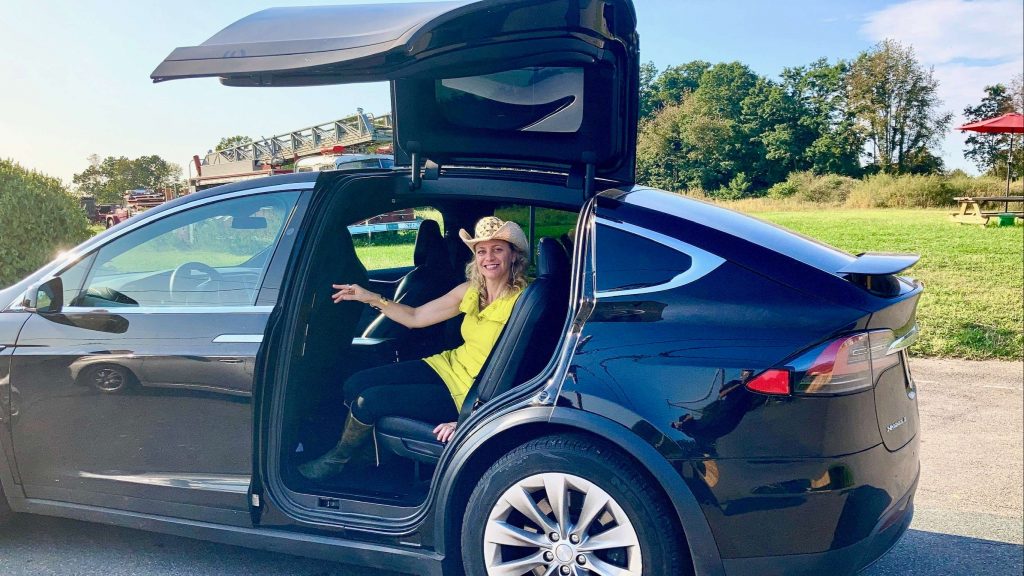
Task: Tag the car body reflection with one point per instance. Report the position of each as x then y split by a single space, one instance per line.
120 372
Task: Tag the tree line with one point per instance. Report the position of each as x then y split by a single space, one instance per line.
732 133
108 179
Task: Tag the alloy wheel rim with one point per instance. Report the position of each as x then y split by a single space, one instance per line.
108 379
559 524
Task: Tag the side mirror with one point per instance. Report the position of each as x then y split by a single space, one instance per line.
47 297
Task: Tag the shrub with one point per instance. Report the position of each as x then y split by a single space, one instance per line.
38 218
784 189
807 191
964 185
738 187
808 187
829 188
696 192
906 191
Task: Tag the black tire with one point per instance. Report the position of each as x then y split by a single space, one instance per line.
636 513
108 378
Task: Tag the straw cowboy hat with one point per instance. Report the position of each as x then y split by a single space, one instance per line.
491 228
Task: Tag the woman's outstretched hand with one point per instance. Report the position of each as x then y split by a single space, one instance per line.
445 431
352 292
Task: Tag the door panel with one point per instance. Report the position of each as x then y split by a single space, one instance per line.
138 394
167 430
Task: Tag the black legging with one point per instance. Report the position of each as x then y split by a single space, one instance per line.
409 389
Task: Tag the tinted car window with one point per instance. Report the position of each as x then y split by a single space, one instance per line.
357 164
73 277
211 255
628 261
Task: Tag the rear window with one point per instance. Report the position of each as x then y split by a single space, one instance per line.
626 261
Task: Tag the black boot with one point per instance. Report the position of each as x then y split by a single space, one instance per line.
334 461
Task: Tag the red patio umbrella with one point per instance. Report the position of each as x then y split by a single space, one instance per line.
1011 124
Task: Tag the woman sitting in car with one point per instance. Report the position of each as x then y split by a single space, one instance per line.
434 388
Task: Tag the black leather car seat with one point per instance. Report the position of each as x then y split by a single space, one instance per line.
432 277
524 348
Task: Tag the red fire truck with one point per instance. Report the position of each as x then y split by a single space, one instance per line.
133 202
360 132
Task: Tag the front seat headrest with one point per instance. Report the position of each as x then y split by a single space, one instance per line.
551 258
430 250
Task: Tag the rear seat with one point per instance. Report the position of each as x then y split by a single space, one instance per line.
521 352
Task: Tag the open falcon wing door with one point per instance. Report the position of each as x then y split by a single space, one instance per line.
522 84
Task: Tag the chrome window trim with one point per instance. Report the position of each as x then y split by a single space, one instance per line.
903 342
239 339
582 291
128 310
702 261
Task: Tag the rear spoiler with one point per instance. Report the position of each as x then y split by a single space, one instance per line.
879 264
876 272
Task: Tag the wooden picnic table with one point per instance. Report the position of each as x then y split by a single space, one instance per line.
979 209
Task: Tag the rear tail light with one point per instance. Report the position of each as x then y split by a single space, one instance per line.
841 366
770 382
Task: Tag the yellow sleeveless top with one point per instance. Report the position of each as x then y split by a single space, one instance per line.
480 330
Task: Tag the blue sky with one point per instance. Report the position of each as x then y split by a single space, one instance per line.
75 74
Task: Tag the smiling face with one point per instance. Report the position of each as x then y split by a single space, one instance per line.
493 259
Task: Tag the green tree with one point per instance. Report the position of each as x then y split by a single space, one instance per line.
681 147
775 139
895 102
733 142
669 87
108 179
724 86
38 218
232 141
701 141
989 151
648 74
825 138
1017 93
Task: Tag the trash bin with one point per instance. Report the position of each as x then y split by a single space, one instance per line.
1005 219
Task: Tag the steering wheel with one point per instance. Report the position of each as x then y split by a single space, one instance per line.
196 279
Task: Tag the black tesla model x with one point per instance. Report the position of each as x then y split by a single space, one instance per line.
680 390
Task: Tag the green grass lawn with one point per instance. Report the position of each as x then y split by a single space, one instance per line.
379 257
974 277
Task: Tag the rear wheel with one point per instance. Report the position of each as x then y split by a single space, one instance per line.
569 505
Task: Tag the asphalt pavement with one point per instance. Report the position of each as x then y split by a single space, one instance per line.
968 518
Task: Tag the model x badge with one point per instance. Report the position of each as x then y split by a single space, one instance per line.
896 424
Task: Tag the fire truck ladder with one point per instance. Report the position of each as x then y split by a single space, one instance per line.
359 129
